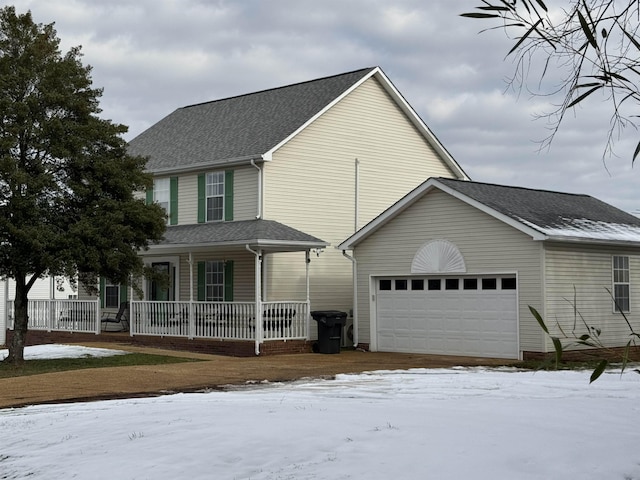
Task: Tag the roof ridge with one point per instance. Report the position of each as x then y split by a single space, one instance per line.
515 187
368 69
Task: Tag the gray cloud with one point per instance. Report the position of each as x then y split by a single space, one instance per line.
153 56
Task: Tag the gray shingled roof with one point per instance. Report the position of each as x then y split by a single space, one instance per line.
553 213
249 232
245 126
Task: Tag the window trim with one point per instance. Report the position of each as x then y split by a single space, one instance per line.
162 190
626 268
220 175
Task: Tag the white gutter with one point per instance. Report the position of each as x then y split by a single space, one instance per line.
260 173
354 273
258 315
196 167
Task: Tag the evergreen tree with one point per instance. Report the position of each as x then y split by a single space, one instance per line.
67 184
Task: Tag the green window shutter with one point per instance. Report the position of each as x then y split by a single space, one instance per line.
201 281
173 201
228 281
228 195
102 288
202 201
150 195
124 291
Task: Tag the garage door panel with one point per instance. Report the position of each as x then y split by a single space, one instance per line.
453 322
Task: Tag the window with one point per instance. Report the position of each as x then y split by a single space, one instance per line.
214 281
433 284
470 284
621 287
417 284
111 295
385 284
508 283
162 194
451 283
401 284
215 196
489 283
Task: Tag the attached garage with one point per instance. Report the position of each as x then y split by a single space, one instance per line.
453 268
462 315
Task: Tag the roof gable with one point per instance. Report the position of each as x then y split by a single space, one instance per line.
541 214
253 126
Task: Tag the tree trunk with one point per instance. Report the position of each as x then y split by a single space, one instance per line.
20 322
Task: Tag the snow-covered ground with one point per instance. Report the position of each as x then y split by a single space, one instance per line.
461 423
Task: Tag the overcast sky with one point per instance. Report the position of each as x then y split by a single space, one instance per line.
153 56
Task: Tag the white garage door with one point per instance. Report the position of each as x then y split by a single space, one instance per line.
467 315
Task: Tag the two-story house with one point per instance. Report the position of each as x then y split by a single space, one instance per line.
257 188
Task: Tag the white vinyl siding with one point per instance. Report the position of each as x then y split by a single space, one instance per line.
487 245
243 276
245 196
310 185
581 276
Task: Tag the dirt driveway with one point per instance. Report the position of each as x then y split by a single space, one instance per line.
213 372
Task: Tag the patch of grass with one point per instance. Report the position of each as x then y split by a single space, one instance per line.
36 367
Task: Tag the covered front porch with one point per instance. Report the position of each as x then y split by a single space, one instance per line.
217 286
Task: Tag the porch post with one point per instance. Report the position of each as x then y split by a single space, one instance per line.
258 294
192 322
4 322
258 298
131 315
307 260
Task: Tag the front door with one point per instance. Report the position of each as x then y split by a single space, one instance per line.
162 288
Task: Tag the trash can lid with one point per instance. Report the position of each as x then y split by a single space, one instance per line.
328 313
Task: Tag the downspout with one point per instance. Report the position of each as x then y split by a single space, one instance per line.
257 268
354 273
357 195
260 179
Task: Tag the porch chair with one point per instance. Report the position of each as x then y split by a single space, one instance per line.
278 319
117 323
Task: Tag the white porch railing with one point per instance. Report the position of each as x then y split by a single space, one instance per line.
60 315
219 320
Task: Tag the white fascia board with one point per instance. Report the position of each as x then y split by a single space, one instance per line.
269 155
594 241
180 247
418 193
404 106
420 125
228 162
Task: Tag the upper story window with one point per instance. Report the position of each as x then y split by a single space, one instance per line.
215 196
162 194
621 286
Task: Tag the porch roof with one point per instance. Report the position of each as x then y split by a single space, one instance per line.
264 234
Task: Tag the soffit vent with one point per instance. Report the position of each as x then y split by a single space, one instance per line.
438 256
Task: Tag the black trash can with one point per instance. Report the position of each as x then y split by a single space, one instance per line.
330 324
